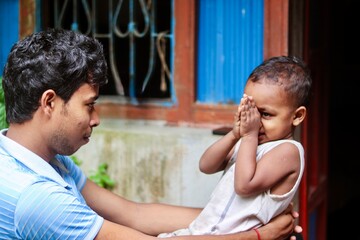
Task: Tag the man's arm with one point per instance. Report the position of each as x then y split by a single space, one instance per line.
125 219
150 218
278 229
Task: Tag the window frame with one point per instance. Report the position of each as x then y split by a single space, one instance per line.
186 111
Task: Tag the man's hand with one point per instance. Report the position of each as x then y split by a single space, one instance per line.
281 226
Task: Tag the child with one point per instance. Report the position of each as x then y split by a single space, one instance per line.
262 162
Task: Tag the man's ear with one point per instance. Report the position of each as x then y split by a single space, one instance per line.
47 101
299 115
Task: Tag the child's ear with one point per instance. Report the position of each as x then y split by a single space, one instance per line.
299 115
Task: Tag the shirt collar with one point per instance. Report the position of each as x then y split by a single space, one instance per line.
29 159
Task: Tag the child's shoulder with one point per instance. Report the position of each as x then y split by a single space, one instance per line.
280 143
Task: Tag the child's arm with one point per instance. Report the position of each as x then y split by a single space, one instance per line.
215 158
277 169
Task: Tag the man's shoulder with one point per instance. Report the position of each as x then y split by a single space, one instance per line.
15 178
10 168
14 175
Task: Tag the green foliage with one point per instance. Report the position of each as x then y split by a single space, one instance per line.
100 176
3 122
76 160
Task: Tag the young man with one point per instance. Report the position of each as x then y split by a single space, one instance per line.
51 82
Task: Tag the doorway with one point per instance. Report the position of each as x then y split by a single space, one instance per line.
344 163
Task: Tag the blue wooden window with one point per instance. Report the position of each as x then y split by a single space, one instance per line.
9 28
230 45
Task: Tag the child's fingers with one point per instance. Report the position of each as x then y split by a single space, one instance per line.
251 102
243 100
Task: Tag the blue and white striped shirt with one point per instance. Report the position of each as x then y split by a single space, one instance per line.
39 200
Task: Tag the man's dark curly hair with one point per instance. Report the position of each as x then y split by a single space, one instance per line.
57 59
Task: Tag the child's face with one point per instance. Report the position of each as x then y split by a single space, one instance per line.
276 109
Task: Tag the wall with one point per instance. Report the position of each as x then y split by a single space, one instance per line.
152 162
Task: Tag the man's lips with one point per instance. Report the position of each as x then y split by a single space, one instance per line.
87 136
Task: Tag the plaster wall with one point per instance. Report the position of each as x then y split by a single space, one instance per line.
152 162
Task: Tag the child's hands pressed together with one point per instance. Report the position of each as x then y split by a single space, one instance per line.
249 117
236 127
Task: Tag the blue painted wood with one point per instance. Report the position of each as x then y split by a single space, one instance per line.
230 46
9 28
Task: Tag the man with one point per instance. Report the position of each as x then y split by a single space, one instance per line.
51 82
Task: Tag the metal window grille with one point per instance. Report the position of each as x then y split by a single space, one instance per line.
138 40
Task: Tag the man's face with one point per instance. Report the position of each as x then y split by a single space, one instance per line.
75 120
